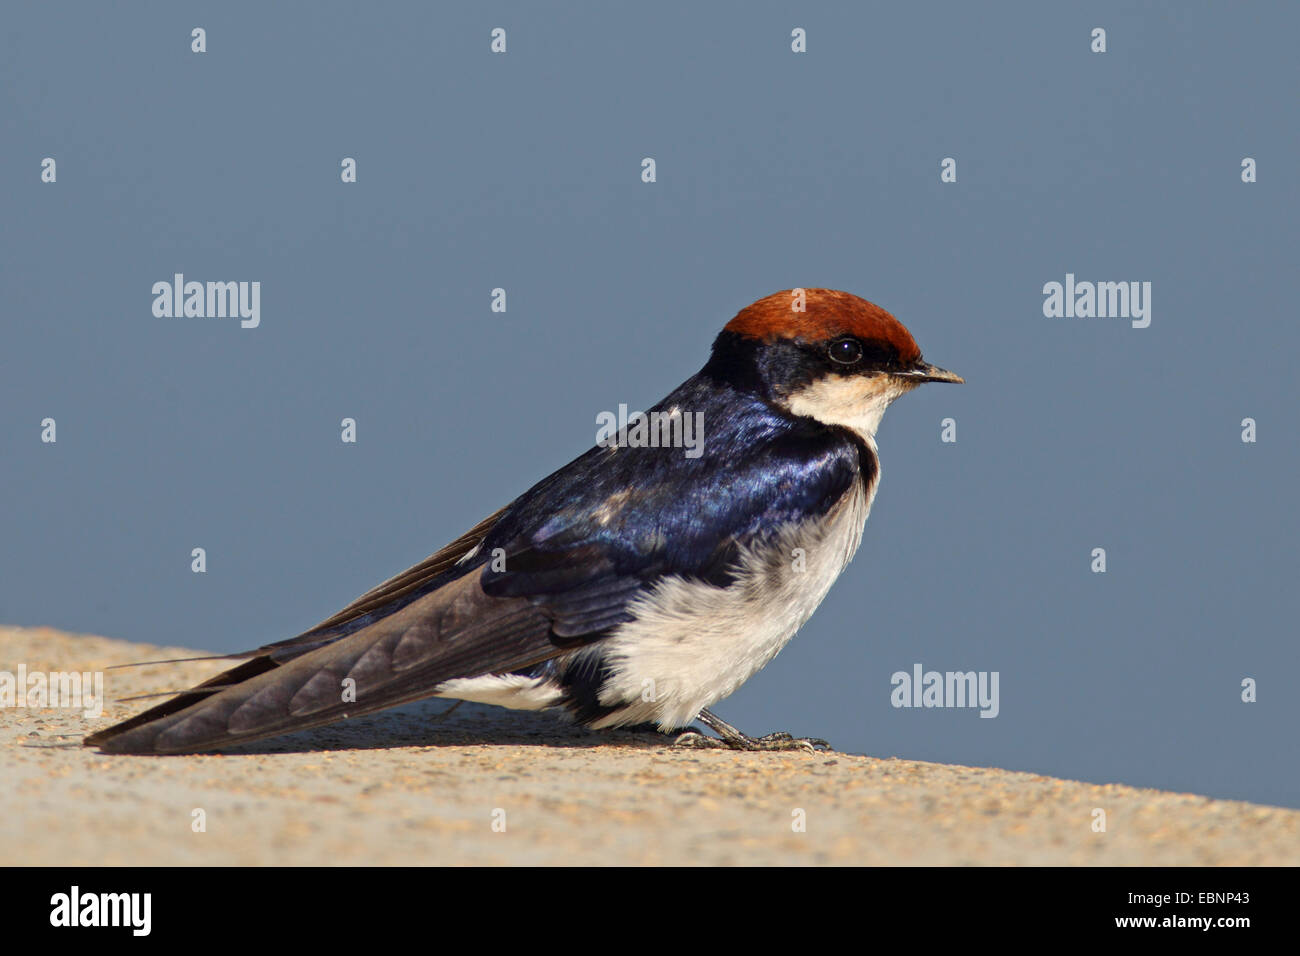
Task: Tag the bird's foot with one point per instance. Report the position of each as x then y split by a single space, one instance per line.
777 741
729 738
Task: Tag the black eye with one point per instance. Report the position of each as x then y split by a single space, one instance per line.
846 351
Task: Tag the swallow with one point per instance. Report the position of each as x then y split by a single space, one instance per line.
637 584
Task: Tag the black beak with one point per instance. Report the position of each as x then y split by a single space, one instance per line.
921 372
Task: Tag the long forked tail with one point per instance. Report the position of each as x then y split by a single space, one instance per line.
455 631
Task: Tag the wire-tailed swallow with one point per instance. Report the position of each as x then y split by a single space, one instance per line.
637 584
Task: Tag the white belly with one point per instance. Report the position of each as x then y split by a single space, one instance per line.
693 644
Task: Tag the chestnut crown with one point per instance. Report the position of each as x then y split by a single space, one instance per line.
824 316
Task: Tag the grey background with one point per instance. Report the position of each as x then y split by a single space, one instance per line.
775 170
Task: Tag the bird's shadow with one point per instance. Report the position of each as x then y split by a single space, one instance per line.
444 724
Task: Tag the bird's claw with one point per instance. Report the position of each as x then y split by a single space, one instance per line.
779 741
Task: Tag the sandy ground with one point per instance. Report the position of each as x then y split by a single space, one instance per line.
411 787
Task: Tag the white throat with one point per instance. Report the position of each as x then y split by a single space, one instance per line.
854 402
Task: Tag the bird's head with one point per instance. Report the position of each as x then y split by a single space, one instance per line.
822 354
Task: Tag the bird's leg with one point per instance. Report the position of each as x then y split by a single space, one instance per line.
731 738
447 713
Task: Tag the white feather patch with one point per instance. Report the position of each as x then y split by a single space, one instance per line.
516 691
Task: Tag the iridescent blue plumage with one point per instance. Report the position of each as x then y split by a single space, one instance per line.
644 512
